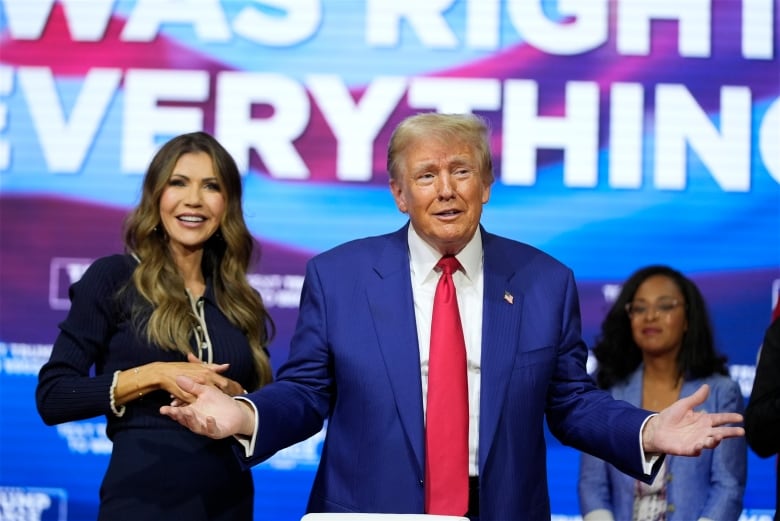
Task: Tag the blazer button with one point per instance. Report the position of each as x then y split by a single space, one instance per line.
670 508
420 482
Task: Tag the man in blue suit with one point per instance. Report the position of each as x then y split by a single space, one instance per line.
359 356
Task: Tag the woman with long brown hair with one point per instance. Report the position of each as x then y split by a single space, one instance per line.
176 302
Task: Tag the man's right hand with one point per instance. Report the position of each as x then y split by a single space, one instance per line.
211 412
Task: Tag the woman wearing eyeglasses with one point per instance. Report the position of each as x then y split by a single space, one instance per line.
656 346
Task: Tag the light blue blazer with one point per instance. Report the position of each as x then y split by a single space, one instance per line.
709 486
354 361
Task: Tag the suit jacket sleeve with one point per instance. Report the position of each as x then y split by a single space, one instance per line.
296 405
583 416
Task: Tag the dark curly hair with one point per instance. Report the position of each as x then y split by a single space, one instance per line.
617 353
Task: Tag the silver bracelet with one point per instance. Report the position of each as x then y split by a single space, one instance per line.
117 412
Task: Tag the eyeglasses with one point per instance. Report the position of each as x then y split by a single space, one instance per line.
662 307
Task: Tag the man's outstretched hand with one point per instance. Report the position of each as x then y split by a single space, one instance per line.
211 413
681 431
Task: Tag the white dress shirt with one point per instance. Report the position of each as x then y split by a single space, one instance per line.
469 286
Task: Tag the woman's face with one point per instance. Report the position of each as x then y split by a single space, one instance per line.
192 204
658 318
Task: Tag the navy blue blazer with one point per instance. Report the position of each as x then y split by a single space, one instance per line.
354 361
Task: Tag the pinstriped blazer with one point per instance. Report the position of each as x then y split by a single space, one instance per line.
354 363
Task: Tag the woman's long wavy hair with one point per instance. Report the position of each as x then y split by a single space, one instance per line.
163 310
617 353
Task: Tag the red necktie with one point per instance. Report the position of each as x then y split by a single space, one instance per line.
447 410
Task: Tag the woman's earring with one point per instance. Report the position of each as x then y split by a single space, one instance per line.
159 230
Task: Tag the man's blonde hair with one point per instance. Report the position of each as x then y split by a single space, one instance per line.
464 128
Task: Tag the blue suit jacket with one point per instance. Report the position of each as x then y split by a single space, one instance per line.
354 361
709 486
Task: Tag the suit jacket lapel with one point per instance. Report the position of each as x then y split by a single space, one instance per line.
393 315
502 307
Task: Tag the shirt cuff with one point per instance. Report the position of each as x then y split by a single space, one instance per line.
248 442
648 462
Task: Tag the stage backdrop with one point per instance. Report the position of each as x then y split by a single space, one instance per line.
625 133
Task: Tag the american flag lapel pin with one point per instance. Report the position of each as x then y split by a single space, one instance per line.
508 297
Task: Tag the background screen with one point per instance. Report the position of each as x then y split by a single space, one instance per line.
625 133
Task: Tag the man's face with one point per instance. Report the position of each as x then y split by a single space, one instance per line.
441 188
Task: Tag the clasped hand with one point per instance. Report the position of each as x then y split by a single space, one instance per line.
198 371
211 413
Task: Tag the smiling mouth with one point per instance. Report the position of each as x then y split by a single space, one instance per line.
191 219
448 213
